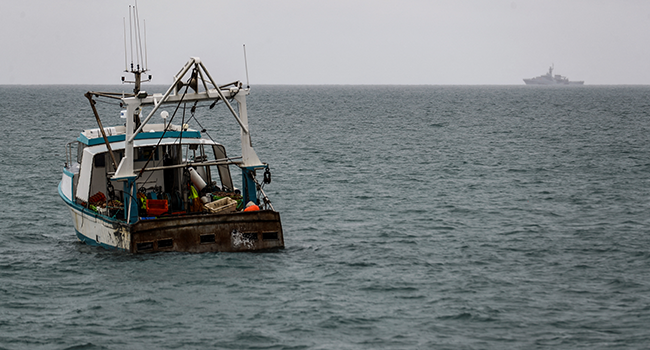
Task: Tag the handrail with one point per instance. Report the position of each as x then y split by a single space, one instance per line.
68 153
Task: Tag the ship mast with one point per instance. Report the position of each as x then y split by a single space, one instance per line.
139 64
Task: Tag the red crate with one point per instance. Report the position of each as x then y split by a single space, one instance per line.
156 207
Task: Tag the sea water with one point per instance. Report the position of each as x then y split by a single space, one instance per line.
415 217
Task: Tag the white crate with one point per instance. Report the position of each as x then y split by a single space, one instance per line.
223 205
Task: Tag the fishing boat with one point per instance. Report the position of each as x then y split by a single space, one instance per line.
145 187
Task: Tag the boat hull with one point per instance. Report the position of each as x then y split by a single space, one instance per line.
229 232
551 82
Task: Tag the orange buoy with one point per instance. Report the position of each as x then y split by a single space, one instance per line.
251 207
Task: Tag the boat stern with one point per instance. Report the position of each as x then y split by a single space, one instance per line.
230 232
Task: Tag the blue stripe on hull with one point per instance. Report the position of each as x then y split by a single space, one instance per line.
85 211
94 243
89 213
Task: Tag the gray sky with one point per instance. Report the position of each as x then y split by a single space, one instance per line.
333 41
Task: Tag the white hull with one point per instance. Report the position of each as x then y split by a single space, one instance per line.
98 230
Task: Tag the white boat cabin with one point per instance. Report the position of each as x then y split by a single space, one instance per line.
164 152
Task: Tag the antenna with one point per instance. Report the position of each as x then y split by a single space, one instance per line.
131 35
139 37
126 66
146 59
248 85
140 65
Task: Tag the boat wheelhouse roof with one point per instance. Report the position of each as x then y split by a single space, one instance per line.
92 137
119 145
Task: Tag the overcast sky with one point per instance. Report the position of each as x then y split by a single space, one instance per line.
332 42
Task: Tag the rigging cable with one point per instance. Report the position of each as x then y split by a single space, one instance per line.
107 102
197 121
163 135
203 130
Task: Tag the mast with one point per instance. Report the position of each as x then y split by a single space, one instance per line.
124 171
139 66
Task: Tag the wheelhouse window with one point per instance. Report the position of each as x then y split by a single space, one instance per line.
143 153
100 160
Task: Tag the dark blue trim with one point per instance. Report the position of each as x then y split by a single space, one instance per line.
67 201
141 136
131 188
249 189
87 211
91 242
65 171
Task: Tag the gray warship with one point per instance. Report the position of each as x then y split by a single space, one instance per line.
550 79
